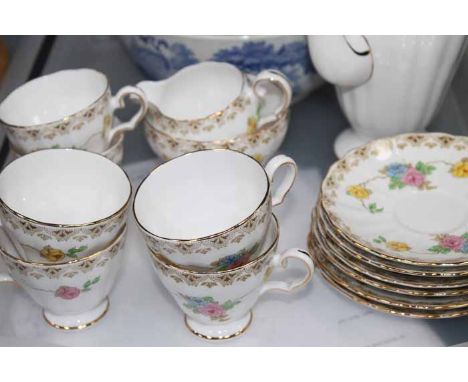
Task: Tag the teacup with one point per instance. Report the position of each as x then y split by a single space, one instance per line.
261 144
218 305
213 100
66 109
63 203
210 209
73 294
114 152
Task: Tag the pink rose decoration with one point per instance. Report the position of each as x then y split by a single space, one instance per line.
413 177
67 293
452 242
212 310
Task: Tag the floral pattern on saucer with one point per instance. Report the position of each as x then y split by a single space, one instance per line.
407 173
208 306
448 243
402 175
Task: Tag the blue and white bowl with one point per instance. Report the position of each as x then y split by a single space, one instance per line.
162 56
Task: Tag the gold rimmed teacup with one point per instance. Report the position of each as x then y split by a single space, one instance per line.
260 143
210 209
218 304
74 293
63 203
66 109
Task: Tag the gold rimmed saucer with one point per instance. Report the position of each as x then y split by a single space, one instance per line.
416 280
386 286
379 300
403 198
410 313
377 261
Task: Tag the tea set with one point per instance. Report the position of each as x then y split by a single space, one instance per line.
205 214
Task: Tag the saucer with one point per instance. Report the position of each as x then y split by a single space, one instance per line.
405 196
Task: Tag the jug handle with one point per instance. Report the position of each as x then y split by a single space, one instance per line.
278 79
118 102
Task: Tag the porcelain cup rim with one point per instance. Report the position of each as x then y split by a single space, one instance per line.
263 201
38 126
64 225
167 263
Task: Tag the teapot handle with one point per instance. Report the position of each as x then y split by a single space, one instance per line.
278 79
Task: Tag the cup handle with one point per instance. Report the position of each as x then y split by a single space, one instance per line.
279 80
272 166
281 261
118 102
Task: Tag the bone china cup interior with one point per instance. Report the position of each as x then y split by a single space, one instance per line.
218 305
73 294
204 209
66 109
63 203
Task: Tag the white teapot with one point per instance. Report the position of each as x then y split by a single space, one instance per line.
386 85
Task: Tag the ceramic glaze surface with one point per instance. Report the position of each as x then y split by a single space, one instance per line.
162 56
215 303
213 101
401 81
261 143
69 292
82 212
226 213
194 195
44 113
406 196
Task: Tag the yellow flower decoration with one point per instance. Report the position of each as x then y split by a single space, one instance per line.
259 157
398 246
107 121
52 254
460 169
359 192
251 125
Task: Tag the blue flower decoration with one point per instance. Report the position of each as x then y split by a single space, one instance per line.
159 58
464 249
396 170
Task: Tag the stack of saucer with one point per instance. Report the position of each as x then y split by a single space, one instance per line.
390 229
206 218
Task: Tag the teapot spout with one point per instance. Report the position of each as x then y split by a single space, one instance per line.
345 61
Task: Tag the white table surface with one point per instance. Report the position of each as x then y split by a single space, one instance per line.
143 313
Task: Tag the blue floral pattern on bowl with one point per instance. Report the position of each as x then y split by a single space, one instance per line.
160 58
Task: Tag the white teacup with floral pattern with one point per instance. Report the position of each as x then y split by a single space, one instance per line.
218 305
62 204
210 209
213 100
74 293
66 109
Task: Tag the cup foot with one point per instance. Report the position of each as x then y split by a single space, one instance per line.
219 331
348 140
77 321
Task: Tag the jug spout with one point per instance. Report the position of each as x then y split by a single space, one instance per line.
153 91
345 61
